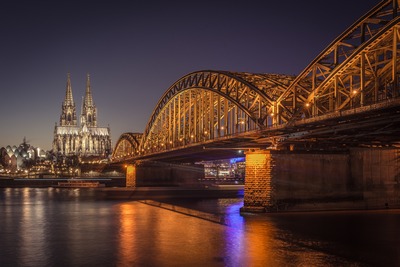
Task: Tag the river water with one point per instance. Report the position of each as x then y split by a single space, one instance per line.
72 227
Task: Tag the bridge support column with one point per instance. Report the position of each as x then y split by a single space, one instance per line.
131 176
258 188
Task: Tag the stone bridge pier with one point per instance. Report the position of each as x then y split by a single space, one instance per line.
360 178
153 173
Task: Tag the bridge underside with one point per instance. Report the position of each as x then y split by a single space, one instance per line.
372 126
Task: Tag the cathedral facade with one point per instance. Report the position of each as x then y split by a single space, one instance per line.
85 138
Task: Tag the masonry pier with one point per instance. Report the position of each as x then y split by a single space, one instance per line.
153 173
359 178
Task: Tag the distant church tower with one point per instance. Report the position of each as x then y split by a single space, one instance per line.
85 139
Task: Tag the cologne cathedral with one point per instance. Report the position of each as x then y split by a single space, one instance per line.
85 139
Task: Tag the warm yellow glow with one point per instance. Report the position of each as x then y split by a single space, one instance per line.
131 176
126 233
355 92
255 159
307 105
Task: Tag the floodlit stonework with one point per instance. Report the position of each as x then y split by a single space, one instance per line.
85 139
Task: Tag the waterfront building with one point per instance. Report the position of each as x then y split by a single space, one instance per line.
22 157
86 138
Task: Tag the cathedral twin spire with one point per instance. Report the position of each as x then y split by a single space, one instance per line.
88 111
68 114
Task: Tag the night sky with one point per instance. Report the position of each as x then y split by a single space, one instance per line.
134 50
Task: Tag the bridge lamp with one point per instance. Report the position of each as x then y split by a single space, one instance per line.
205 132
222 127
355 92
272 114
307 105
192 136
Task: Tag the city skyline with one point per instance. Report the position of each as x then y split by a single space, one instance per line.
135 51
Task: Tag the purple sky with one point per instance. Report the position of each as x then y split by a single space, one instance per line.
134 50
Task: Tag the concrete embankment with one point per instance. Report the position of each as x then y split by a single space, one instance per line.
189 212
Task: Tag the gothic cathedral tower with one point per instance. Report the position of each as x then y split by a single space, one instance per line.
89 111
85 139
68 112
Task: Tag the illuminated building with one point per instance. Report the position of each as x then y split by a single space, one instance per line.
85 139
15 158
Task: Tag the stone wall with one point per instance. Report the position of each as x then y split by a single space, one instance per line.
258 184
379 173
150 173
291 180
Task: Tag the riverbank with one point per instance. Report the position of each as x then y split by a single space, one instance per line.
50 182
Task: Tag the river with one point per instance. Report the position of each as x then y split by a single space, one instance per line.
73 227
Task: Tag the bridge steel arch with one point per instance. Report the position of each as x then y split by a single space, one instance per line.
358 68
127 145
209 105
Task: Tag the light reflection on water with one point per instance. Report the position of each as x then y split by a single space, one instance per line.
64 227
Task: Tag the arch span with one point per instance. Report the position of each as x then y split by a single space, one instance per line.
346 55
357 70
209 105
127 145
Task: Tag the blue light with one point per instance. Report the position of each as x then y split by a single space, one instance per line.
236 160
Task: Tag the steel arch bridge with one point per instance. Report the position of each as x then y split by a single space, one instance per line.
127 144
358 71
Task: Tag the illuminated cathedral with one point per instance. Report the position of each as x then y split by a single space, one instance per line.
85 138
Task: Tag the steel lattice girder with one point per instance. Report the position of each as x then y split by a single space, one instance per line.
360 67
254 94
364 77
127 144
333 57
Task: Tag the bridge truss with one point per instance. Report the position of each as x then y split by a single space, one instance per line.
356 72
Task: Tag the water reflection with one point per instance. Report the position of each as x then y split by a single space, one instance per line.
62 227
32 241
126 235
